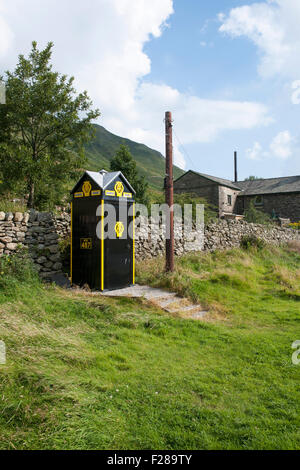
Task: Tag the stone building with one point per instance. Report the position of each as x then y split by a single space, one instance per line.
275 196
219 192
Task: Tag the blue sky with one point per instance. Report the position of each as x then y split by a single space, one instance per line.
180 58
193 56
227 69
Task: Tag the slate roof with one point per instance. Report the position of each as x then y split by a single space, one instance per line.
104 179
220 181
288 184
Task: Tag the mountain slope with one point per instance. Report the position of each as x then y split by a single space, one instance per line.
150 163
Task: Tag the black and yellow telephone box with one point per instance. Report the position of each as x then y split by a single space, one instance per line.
102 231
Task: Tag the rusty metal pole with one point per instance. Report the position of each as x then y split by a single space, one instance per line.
169 194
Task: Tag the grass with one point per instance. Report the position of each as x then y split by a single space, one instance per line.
9 205
88 372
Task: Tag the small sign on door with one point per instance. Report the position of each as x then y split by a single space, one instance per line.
86 244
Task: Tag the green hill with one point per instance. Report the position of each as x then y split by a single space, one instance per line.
150 163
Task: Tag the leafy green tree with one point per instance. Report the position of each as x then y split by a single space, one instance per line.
124 162
43 128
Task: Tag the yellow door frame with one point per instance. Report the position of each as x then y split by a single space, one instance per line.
102 245
133 246
71 245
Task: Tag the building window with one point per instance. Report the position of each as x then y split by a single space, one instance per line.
229 200
259 201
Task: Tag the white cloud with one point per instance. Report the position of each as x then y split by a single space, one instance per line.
206 44
273 26
102 44
6 35
196 119
255 153
295 98
281 146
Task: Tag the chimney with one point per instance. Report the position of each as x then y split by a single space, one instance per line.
235 168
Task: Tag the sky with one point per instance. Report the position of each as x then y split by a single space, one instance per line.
228 70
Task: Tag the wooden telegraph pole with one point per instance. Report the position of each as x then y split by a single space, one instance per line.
169 194
235 168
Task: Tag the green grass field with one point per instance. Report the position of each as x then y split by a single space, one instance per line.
86 372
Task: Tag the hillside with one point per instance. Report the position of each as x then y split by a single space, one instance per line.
150 163
88 372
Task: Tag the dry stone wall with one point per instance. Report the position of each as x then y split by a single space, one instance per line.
227 234
150 238
35 231
62 224
41 232
221 235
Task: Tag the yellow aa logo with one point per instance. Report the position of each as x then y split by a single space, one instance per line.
119 188
86 188
119 229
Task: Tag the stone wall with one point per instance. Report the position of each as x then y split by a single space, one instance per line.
38 233
285 205
227 234
41 232
150 238
222 235
224 206
62 224
193 183
214 193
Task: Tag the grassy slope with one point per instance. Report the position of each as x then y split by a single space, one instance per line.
88 372
150 163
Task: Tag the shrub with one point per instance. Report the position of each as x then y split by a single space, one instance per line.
210 211
65 252
17 267
295 225
255 216
251 241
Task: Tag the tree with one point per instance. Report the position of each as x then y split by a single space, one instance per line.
43 128
252 178
124 162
